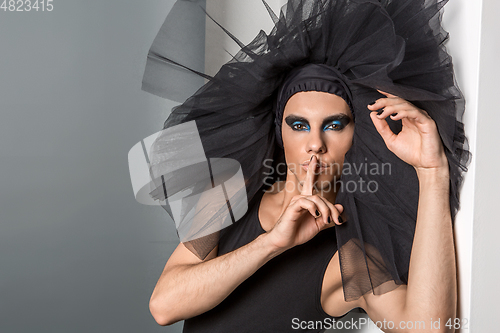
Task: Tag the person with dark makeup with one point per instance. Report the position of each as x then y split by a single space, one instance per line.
329 89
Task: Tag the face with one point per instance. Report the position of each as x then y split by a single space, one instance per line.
321 124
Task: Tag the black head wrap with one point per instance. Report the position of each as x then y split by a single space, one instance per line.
311 77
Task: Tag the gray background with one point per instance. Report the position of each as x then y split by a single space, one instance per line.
78 253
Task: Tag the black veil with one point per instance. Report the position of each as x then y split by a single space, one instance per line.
393 45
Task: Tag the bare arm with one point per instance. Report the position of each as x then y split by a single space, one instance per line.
431 290
431 293
432 284
189 287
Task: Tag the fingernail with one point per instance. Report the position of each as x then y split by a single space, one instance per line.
329 219
311 158
341 220
394 114
317 213
379 112
372 103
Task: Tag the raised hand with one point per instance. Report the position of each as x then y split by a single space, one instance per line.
306 215
418 143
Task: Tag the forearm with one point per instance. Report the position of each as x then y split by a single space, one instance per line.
184 291
432 288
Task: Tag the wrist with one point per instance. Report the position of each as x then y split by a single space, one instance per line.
438 168
272 250
437 173
434 178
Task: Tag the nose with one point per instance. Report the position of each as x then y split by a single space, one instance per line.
315 143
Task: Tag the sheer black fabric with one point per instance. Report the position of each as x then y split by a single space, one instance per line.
288 286
396 46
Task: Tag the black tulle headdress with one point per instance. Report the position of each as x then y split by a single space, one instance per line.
392 45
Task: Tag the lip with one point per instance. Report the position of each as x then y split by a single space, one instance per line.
322 166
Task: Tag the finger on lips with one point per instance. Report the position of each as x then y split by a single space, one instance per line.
315 204
307 187
321 208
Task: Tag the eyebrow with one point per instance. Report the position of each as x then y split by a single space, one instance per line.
340 116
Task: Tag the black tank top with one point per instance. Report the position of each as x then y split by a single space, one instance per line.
277 297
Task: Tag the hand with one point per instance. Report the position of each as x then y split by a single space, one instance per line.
300 222
418 143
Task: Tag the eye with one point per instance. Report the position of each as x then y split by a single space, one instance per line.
335 125
299 126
